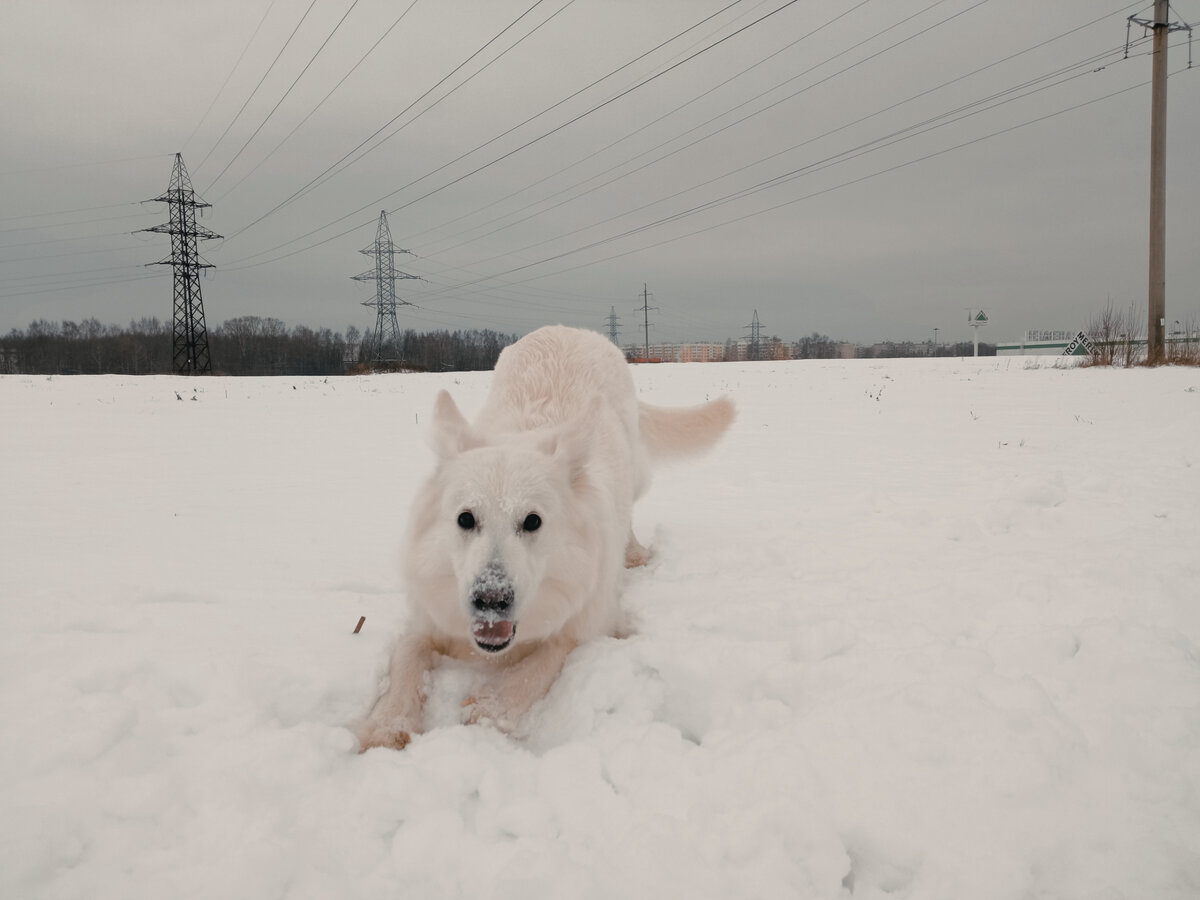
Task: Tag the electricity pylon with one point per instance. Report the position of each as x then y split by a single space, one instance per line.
190 334
384 274
754 350
613 322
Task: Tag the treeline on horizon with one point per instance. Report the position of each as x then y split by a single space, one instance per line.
254 345
246 345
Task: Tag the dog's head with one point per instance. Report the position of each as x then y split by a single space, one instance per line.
497 532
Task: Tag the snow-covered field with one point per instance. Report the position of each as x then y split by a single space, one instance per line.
917 629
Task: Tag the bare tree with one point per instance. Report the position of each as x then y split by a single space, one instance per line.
1103 329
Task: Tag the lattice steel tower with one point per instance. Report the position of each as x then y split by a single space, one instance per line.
613 323
384 274
754 348
191 356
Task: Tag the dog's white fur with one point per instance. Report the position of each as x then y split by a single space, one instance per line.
563 438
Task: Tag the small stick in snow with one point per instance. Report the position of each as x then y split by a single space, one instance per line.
358 627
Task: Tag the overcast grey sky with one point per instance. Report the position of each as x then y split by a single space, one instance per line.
867 170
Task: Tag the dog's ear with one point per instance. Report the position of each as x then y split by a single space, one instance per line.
451 433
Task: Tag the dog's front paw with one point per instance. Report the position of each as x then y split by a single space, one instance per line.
374 735
635 554
488 710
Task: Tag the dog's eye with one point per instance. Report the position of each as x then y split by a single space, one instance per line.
466 521
532 522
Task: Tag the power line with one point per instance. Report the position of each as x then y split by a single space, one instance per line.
537 139
67 212
74 276
923 93
137 215
854 153
765 185
238 114
873 145
286 93
62 240
836 187
588 112
83 165
955 80
632 134
72 286
321 102
74 253
480 168
709 121
225 83
726 222
332 174
330 170
462 156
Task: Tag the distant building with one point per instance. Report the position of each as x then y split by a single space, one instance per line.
1037 342
702 352
699 351
845 350
771 348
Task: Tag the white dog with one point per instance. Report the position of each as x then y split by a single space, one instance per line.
517 541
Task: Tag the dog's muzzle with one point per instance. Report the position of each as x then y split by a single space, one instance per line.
492 597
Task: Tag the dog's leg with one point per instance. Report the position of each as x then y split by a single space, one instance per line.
518 686
635 553
396 715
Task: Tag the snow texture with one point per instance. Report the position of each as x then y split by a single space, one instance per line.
916 629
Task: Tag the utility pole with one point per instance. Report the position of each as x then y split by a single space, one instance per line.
190 334
384 274
644 309
1157 315
613 322
1158 188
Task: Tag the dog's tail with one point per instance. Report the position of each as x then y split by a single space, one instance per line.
669 433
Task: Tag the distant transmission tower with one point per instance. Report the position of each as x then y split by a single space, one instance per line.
613 322
190 355
644 309
754 351
384 274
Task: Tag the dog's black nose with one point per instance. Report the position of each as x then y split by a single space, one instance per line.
489 600
492 591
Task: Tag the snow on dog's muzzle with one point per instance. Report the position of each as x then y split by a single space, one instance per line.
492 597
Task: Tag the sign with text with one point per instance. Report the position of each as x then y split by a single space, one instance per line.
1080 345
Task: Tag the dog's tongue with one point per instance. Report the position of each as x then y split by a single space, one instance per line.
495 633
